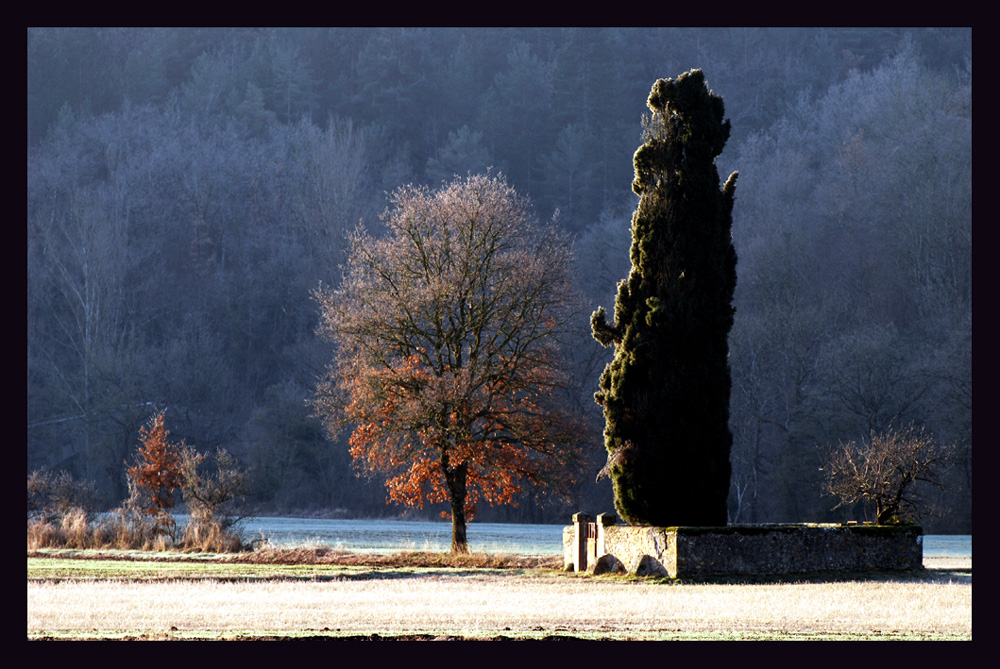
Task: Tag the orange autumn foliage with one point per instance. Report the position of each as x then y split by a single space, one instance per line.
158 467
406 419
448 360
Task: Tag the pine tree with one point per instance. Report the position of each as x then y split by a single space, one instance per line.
666 392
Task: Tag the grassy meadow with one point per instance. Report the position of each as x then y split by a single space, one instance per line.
315 593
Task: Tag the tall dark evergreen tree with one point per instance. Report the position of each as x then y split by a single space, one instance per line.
666 392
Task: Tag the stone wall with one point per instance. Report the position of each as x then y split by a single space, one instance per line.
680 552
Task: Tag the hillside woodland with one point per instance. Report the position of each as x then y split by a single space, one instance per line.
189 189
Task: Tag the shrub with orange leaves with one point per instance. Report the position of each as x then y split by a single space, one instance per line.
447 366
156 474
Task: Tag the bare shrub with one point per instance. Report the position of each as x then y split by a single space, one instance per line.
60 510
885 471
51 494
213 501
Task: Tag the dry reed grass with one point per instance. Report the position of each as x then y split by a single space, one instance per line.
124 530
210 536
75 530
323 555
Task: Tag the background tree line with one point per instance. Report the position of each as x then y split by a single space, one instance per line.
188 188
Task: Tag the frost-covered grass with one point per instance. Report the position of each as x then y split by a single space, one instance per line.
507 603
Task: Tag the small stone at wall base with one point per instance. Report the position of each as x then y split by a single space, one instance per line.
647 565
608 564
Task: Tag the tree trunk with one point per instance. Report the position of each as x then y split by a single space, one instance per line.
455 478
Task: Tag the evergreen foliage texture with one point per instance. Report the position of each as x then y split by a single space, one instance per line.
665 394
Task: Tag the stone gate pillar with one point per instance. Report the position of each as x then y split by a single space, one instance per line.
582 540
604 520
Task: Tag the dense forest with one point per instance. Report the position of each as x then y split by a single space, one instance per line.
189 188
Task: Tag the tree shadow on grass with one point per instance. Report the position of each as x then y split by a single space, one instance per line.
932 575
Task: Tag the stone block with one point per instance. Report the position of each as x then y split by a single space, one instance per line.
607 564
647 565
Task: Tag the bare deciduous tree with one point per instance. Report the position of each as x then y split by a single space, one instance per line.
210 498
884 471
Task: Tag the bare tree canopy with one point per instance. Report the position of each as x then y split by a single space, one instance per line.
448 360
884 472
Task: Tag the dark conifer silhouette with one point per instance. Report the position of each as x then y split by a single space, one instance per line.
666 392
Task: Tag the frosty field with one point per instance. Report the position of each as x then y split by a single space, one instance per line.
489 604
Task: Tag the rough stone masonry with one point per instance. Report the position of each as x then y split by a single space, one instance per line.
681 552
